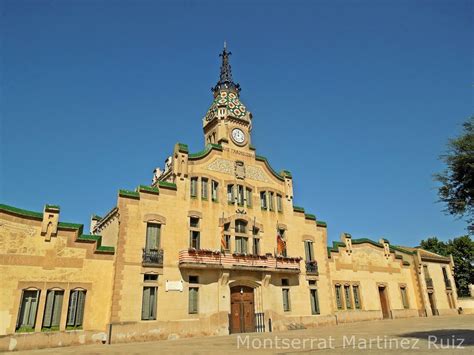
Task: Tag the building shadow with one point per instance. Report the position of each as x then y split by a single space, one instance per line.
444 337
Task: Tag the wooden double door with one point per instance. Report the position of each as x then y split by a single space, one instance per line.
242 310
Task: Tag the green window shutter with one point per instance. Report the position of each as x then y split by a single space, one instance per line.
58 304
314 301
153 303
33 307
286 303
146 303
339 297
28 306
81 298
71 312
306 251
152 236
193 300
48 309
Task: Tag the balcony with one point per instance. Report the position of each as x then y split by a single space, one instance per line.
429 282
312 267
152 257
447 282
208 259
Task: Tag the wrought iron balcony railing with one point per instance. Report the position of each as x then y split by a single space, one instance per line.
152 257
429 282
312 267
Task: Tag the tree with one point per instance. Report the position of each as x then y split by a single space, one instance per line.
457 180
462 250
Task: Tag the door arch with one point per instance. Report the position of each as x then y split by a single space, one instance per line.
242 309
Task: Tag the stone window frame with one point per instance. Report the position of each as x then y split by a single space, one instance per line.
50 327
249 234
194 229
195 286
42 287
343 285
234 200
404 287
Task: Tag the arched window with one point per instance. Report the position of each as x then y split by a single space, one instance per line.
75 312
240 226
52 309
28 309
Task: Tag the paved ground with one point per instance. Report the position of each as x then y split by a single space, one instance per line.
421 335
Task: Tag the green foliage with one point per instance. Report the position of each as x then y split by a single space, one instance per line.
457 181
462 250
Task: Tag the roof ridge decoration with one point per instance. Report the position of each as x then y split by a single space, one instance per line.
335 246
80 237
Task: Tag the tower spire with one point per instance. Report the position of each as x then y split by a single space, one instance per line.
225 78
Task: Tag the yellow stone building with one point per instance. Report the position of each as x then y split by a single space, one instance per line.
215 245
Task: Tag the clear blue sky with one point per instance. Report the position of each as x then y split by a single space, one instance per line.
364 94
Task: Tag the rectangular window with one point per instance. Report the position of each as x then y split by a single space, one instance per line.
52 309
240 195
227 236
248 197
355 291
256 246
150 277
347 294
204 189
426 272
194 239
152 236
308 249
28 307
279 203
230 193
194 183
283 250
240 226
214 190
193 300
194 222
270 201
263 200
286 299
314 301
241 245
75 312
149 303
339 297
403 292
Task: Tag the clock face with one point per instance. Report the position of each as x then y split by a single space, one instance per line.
238 136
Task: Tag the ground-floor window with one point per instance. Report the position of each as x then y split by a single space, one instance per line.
75 312
403 291
339 297
193 299
28 309
286 299
347 294
355 291
149 303
314 301
52 309
347 298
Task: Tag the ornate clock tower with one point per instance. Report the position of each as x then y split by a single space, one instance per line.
227 121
